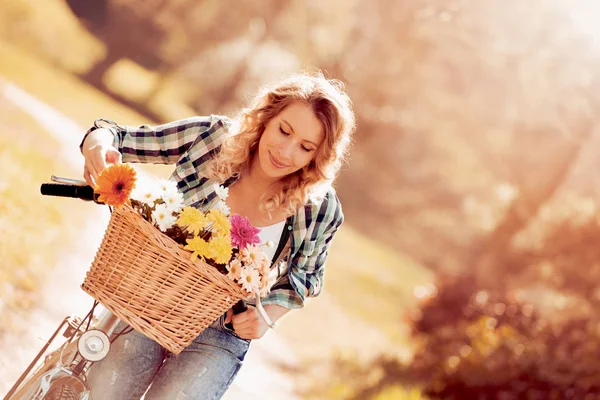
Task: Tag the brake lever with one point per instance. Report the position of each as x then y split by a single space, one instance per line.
68 181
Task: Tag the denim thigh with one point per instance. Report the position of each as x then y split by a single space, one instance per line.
204 369
128 369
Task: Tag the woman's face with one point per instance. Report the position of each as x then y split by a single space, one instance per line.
290 141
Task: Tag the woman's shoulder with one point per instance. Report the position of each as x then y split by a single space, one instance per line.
212 122
211 130
221 120
324 206
228 124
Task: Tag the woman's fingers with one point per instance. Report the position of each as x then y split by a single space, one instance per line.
229 316
97 158
113 156
88 177
249 332
246 324
90 167
249 324
244 318
91 170
94 163
246 331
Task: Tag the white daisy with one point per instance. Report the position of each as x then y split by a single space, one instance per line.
235 269
264 266
221 191
146 192
250 279
223 207
173 201
266 284
167 186
163 217
251 254
149 196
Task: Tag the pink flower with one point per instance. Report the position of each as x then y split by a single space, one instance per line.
242 232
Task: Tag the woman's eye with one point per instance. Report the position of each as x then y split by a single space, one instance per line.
282 131
305 148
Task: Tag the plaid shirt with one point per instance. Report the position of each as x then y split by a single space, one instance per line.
189 144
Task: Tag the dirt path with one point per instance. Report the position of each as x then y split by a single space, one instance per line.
61 296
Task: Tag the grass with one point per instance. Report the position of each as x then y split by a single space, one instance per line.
368 289
376 280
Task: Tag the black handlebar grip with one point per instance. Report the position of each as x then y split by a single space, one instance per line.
65 190
237 308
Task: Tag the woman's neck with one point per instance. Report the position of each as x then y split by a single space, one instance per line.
255 178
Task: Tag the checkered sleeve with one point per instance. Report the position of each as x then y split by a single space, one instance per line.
162 144
307 266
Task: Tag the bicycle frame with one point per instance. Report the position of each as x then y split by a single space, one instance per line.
91 345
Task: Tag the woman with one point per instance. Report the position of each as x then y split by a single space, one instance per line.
278 160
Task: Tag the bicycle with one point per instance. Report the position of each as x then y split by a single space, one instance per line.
62 373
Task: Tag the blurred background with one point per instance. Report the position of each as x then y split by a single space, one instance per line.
468 266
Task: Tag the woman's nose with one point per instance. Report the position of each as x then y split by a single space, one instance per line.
286 151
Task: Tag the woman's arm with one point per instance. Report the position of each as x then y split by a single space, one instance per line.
305 270
108 142
307 264
160 144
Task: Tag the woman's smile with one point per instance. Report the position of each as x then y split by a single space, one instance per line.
276 163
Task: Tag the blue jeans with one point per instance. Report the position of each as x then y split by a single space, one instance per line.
203 370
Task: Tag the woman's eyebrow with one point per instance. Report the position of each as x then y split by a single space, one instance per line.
292 129
288 124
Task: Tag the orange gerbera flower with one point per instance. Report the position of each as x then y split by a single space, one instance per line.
115 183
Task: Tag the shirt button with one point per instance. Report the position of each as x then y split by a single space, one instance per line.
182 170
289 228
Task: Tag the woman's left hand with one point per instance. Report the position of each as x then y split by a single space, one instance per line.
249 324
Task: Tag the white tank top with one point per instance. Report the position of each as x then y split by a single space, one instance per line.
272 233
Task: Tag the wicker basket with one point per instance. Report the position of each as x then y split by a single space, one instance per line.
149 281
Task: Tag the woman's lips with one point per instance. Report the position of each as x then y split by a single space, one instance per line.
276 163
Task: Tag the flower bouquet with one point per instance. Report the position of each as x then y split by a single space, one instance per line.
170 270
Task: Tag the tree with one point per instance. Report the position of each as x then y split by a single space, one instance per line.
161 35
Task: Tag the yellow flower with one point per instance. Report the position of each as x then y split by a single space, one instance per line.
220 222
115 184
193 218
198 247
219 249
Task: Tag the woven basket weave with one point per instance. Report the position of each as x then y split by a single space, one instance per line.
149 281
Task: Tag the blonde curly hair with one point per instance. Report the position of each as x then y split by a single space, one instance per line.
332 107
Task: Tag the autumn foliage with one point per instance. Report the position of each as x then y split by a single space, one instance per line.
536 335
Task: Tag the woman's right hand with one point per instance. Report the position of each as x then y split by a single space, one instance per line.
98 154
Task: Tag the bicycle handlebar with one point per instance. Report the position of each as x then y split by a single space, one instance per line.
68 190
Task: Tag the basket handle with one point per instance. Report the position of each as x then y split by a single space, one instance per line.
263 313
241 306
